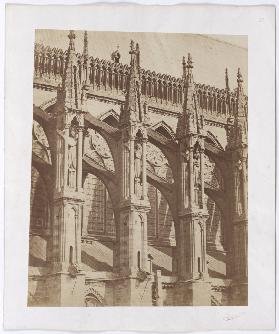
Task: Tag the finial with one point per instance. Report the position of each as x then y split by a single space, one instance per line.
184 67
133 110
227 79
85 44
72 37
188 69
241 109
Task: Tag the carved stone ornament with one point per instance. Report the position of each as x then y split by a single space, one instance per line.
74 270
40 135
158 163
97 148
212 175
40 138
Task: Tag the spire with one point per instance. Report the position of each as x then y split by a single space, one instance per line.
189 85
227 93
85 45
132 111
184 68
239 132
190 121
189 69
239 80
241 103
71 95
85 68
227 79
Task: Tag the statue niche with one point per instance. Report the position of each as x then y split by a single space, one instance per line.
72 157
238 187
138 169
71 154
197 175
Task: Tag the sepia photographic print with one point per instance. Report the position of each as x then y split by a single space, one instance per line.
139 180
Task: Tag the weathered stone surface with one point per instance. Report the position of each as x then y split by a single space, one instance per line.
138 185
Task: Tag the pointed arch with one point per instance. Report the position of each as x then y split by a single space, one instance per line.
164 129
99 208
97 148
111 118
105 130
93 297
158 163
213 140
161 230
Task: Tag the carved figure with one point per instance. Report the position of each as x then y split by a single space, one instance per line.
238 190
138 171
138 155
196 177
115 56
186 155
72 158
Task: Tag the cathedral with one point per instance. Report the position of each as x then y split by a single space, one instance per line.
139 183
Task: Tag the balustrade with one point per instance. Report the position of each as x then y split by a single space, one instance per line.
49 65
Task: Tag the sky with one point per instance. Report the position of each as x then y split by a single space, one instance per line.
163 52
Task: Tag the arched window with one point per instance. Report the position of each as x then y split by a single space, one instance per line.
71 255
98 211
138 257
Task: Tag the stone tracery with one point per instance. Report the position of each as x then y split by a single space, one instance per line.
40 142
96 147
158 163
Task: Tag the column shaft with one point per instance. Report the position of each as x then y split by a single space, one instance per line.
132 174
79 162
144 182
66 148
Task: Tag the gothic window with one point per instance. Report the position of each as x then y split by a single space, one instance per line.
159 218
98 207
138 257
71 256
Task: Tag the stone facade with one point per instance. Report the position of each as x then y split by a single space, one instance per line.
139 185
